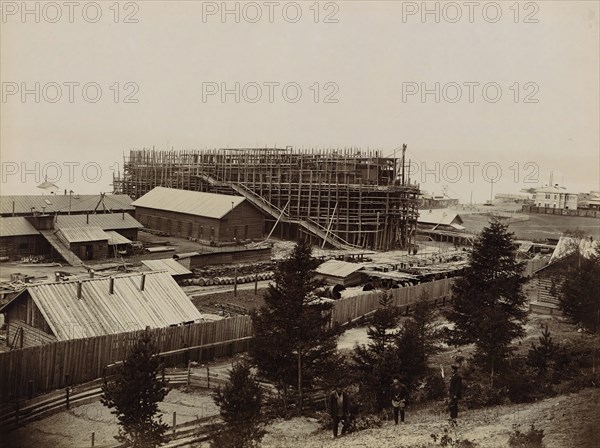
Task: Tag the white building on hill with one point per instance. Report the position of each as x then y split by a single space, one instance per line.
555 197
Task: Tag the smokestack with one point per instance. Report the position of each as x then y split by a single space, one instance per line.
57 277
143 282
111 286
78 290
87 218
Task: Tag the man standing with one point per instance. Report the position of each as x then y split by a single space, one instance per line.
455 393
399 399
339 405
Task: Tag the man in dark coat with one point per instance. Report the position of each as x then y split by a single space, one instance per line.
399 399
455 392
339 407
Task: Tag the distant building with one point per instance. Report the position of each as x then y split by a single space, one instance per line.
555 197
589 201
511 197
62 311
65 204
430 201
199 215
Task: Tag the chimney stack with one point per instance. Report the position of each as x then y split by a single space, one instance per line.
111 286
143 282
57 276
78 290
87 218
91 273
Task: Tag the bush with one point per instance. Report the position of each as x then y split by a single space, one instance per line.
530 439
446 439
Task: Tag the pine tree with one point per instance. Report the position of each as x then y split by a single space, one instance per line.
293 344
134 393
376 363
542 356
580 291
417 340
488 307
240 403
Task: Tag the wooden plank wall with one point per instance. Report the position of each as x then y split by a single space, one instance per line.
50 366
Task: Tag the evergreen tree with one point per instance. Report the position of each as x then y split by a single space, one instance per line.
134 393
580 292
376 363
417 340
240 403
293 343
541 357
488 307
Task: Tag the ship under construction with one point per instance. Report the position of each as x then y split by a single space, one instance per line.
346 198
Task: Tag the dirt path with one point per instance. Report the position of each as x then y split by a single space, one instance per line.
569 421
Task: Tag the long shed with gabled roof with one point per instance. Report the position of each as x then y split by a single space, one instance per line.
62 311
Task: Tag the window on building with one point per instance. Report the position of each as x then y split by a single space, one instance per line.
547 196
212 233
190 228
200 229
179 227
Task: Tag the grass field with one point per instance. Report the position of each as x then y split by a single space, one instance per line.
539 227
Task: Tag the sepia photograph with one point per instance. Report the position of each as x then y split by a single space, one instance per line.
311 223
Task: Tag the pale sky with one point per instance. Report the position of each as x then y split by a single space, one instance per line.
373 57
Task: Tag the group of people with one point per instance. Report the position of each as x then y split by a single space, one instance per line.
339 402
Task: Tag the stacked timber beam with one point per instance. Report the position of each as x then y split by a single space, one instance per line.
360 197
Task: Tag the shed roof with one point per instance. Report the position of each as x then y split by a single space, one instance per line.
198 203
116 238
162 303
16 226
439 216
173 267
62 203
82 234
106 221
337 268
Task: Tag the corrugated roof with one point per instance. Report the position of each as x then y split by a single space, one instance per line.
82 234
60 203
16 226
106 221
162 303
337 268
440 216
116 238
173 267
197 203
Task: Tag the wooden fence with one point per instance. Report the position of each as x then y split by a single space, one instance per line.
29 371
345 310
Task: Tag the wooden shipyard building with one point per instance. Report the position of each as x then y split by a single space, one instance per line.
199 215
346 198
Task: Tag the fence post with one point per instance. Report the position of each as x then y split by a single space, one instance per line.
207 377
162 368
189 372
30 389
255 284
93 438
235 280
174 421
67 397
